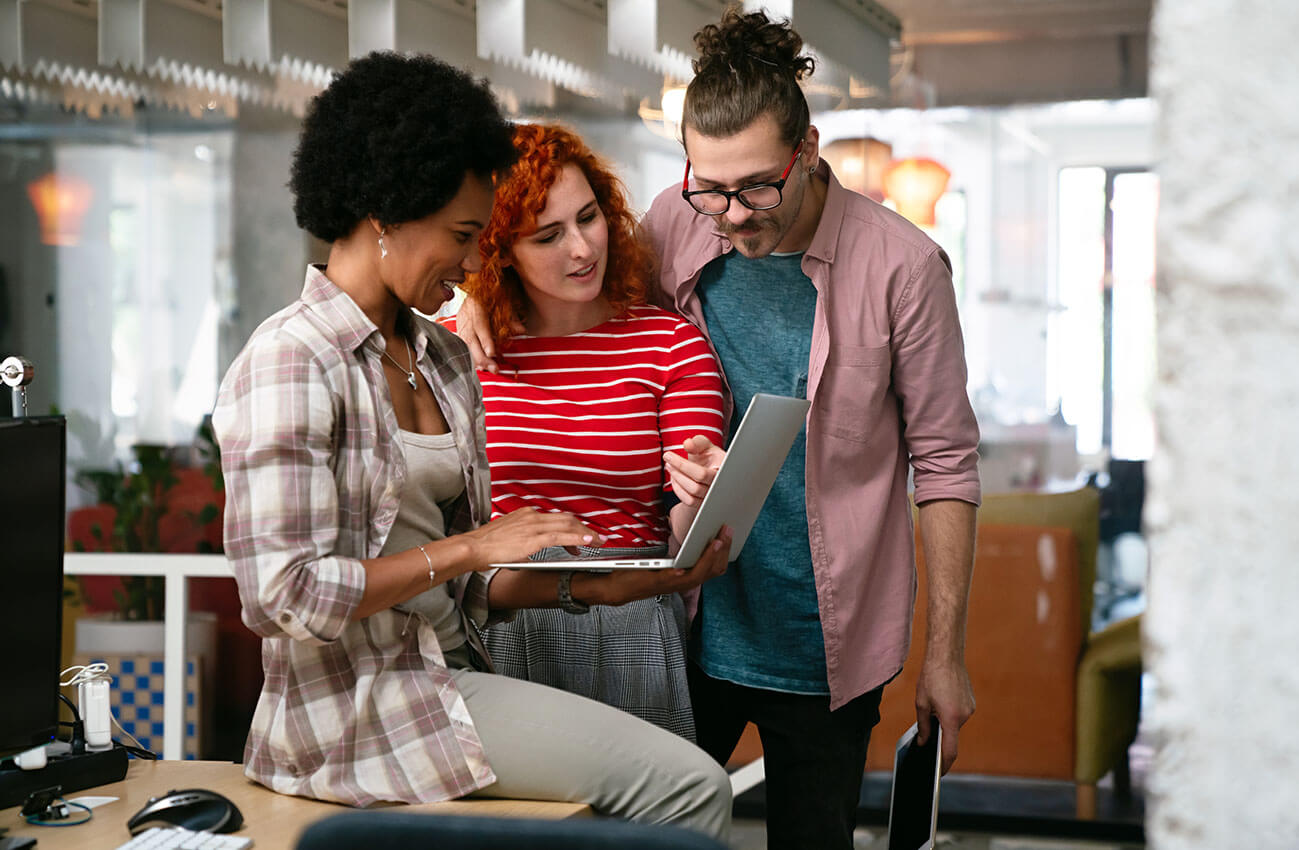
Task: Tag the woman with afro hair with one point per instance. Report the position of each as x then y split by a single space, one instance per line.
604 407
358 497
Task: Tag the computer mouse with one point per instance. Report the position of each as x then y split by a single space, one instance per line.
193 808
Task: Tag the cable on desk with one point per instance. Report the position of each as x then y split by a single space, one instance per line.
59 809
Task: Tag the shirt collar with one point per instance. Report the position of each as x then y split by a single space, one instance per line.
826 238
341 315
351 328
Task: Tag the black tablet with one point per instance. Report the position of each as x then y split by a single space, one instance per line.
913 802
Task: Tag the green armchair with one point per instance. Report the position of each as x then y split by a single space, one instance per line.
1054 699
1108 679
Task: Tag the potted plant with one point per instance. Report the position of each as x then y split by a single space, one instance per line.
160 505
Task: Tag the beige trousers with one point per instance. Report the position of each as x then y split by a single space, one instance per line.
547 744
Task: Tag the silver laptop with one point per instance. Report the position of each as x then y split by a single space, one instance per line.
735 497
913 801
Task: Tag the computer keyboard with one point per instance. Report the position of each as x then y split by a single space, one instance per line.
176 838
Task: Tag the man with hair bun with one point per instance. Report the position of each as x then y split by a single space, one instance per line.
831 297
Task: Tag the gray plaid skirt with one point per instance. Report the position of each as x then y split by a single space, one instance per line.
629 656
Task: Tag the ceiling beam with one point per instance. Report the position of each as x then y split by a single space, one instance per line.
990 74
660 34
443 30
38 33
565 43
303 40
945 22
852 35
141 34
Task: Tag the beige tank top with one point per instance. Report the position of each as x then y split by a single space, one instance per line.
433 481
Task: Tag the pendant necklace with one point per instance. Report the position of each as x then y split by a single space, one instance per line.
410 364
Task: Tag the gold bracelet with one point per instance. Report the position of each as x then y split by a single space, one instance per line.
431 575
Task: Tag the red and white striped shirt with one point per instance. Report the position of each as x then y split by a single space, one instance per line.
579 423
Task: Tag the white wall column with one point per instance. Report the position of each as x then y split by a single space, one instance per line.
1222 633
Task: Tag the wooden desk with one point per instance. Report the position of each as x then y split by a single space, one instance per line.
273 821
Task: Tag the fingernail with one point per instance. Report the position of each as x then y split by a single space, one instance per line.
586 538
717 544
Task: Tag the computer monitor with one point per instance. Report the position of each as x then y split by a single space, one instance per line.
32 463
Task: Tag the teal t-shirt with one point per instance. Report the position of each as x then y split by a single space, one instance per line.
758 624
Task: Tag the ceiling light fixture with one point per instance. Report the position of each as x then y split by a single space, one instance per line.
61 201
915 184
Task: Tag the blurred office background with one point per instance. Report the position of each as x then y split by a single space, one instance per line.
144 155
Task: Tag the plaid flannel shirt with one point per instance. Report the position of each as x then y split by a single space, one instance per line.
353 711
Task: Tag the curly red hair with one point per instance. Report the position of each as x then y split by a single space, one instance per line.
544 150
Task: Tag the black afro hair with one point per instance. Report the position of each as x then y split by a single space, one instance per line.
393 137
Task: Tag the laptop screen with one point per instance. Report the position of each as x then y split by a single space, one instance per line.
913 806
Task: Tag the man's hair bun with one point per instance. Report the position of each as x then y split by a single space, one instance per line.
742 41
749 66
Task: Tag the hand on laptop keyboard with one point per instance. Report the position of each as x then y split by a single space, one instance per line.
176 838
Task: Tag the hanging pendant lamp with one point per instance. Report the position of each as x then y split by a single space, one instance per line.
61 201
915 184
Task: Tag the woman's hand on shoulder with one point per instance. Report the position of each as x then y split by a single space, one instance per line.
520 533
476 332
692 475
623 586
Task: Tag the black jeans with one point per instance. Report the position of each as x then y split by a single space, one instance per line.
813 757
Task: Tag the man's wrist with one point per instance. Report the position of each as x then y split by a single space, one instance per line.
944 657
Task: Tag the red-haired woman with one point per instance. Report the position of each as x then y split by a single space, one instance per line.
605 407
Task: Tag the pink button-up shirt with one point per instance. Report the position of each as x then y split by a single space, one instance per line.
886 380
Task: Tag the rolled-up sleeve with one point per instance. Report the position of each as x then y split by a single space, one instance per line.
274 422
929 377
475 601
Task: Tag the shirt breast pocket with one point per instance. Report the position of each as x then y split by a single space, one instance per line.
852 391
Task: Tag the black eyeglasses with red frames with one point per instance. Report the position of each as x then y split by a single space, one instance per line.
758 196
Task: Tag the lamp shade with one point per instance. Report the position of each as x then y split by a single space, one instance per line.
61 201
915 185
860 164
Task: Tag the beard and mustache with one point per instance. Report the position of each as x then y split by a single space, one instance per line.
761 227
765 226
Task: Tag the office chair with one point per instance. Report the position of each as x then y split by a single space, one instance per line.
387 830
